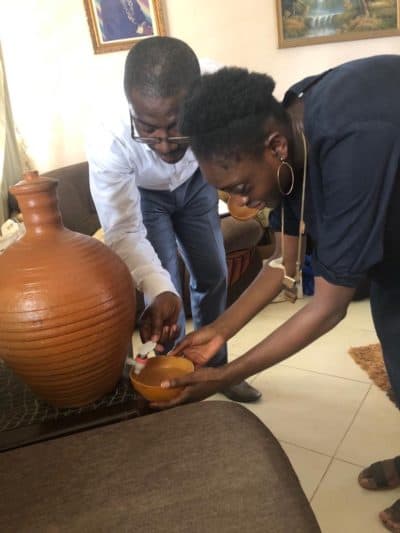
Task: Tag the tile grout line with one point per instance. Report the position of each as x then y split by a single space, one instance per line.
340 443
327 374
350 462
334 376
353 419
304 448
319 453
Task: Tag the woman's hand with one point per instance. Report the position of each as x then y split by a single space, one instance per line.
199 385
201 345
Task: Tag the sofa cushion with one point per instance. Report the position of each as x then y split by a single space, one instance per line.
206 467
240 234
74 198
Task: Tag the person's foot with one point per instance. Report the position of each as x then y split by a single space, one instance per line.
381 475
242 392
390 517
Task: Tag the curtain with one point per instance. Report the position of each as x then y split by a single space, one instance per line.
10 159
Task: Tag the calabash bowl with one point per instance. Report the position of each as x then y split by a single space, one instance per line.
157 370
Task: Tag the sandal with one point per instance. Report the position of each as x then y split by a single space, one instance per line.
381 475
390 517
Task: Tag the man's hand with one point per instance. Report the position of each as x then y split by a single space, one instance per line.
197 386
200 346
158 322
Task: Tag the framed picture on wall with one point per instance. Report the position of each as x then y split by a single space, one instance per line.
119 24
303 22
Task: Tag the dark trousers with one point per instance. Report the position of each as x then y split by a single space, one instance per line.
385 306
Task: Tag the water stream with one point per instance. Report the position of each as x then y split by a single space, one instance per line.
320 19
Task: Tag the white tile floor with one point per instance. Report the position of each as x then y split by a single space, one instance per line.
330 419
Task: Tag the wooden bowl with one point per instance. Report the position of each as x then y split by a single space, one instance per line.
157 370
238 211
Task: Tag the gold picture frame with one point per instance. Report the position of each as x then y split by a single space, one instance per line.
305 22
119 24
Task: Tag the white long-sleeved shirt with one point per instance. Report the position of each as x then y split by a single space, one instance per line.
117 166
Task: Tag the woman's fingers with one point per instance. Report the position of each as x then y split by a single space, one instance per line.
201 376
196 386
181 346
183 397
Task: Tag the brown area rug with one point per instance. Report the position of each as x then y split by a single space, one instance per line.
370 359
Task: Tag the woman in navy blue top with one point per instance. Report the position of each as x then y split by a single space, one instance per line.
334 146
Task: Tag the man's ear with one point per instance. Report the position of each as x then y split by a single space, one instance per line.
278 144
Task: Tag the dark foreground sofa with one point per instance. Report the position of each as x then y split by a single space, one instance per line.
210 467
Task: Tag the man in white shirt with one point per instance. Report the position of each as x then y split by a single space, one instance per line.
143 176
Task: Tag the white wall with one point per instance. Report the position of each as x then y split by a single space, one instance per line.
56 81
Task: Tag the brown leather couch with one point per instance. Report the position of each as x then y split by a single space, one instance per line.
240 237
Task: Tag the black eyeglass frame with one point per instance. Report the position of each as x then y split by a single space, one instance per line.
152 141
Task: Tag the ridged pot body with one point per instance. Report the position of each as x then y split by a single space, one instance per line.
67 305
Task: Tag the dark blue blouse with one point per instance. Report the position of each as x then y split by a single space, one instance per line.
352 124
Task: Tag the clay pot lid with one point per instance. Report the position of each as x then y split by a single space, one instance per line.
32 183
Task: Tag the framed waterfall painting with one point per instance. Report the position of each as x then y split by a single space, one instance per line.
119 24
303 22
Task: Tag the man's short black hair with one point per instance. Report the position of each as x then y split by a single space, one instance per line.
160 66
226 113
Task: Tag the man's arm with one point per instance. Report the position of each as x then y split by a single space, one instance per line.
117 200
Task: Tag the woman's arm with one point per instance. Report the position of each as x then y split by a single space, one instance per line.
266 286
326 309
201 345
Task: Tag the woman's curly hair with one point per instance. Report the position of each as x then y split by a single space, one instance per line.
225 113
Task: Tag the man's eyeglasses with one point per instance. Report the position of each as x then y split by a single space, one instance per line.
152 141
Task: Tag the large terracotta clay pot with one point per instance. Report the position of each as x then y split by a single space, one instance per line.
67 304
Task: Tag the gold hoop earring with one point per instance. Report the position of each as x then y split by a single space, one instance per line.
278 172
